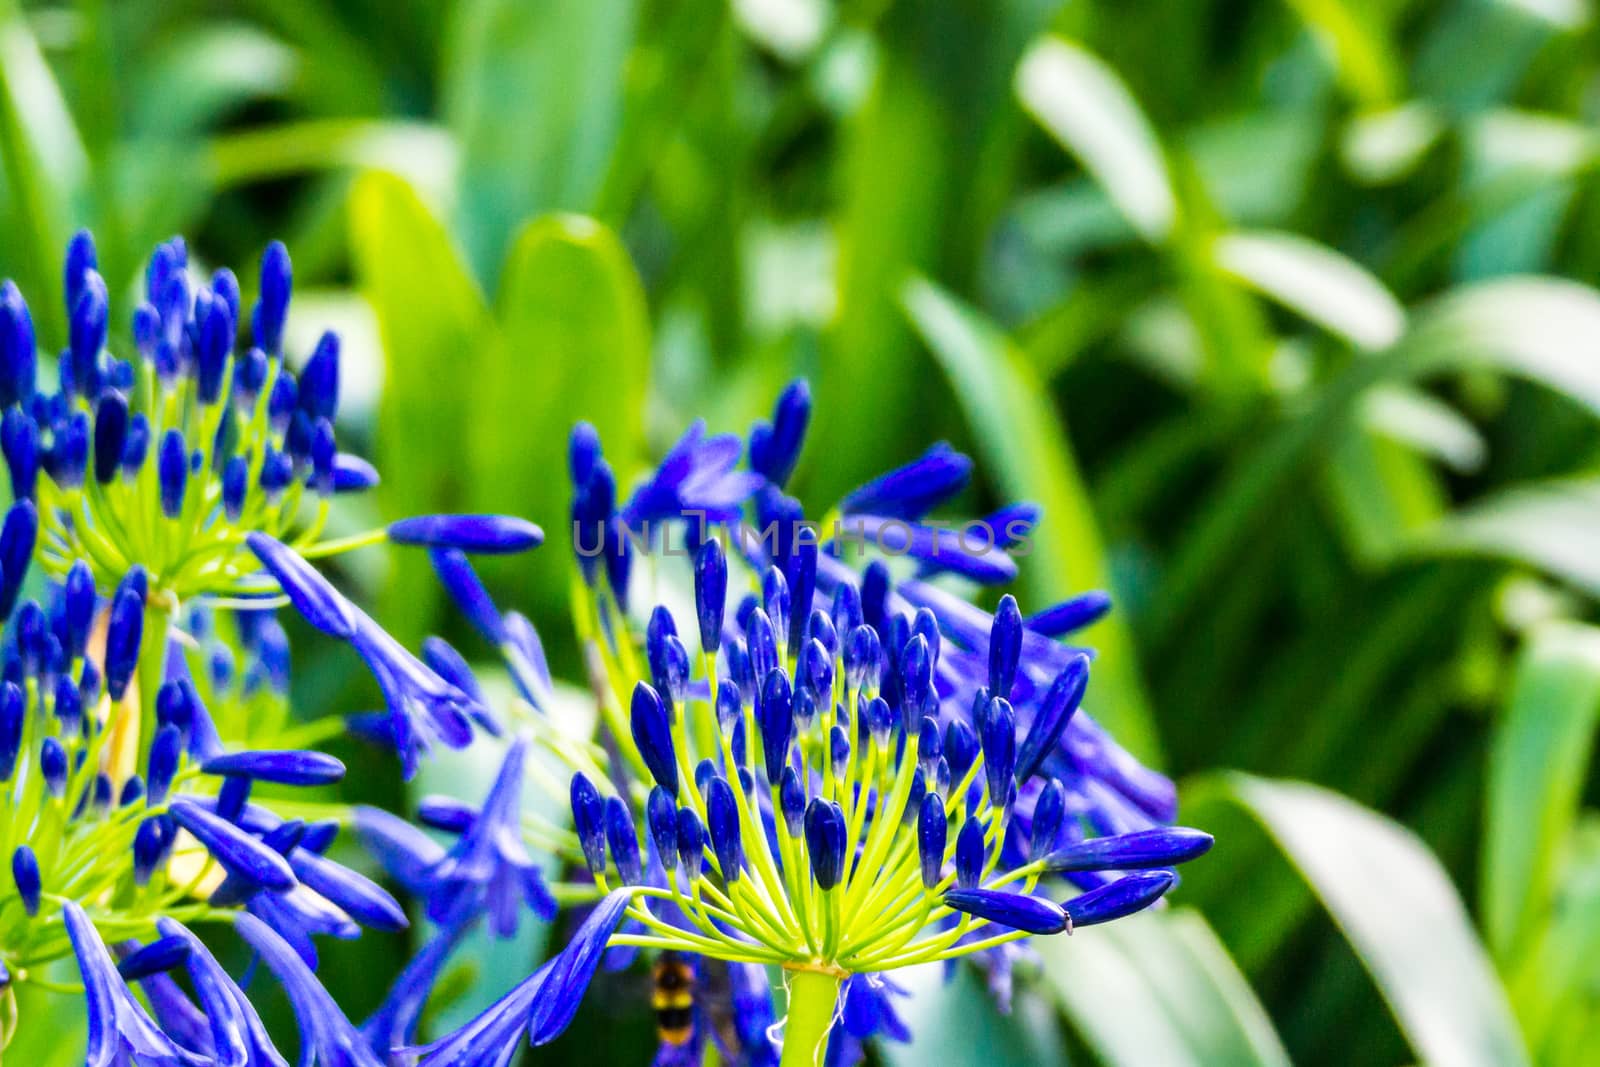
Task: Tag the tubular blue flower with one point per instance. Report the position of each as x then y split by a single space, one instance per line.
17 536
236 850
1127 895
696 479
118 1028
286 768
273 304
1052 716
327 1038
1160 847
910 492
542 1006
173 472
775 445
1020 911
461 582
722 823
623 840
491 534
236 1034
311 594
1072 615
588 821
353 893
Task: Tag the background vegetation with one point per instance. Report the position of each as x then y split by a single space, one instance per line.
1281 310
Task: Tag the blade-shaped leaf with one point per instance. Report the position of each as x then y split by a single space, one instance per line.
1330 289
1537 765
1549 525
1159 988
434 324
1025 446
1085 106
1392 899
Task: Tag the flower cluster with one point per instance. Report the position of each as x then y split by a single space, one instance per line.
841 767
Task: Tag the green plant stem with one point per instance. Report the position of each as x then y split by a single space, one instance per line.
813 995
151 673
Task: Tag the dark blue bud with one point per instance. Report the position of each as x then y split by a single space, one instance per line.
447 814
249 377
971 854
77 608
132 792
722 819
137 445
940 782
172 468
997 733
150 843
763 646
669 668
277 471
163 762
13 715
776 715
238 852
488 534
730 709
110 435
123 636
18 349
933 828
819 628
775 445
158 957
1049 810
282 400
739 669
68 707
839 750
710 593
1019 911
30 627
930 745
588 821
235 485
232 797
960 748
916 678
352 474
146 328
87 329
879 718
226 287
816 665
272 306
919 790
1005 646
662 817
317 601
319 379
292 767
825 840
775 599
324 454
862 657
352 893
846 614
1051 719
792 800
25 873
704 771
691 842
925 625
1083 610
624 841
215 328
102 792
19 438
805 710
1161 846
801 571
81 259
583 452
53 765
461 581
17 538
69 456
1126 895
319 835
652 734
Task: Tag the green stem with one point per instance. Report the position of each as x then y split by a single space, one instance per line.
813 996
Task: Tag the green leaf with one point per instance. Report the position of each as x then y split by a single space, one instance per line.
434 325
1326 287
1550 525
1358 46
574 344
1025 446
1085 106
534 93
1159 988
1537 765
1394 901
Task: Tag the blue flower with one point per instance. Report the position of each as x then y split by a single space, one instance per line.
866 1011
698 478
543 1005
327 1037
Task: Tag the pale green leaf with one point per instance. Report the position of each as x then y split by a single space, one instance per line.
1394 901
1085 106
1537 764
1160 988
1021 438
1550 525
1312 279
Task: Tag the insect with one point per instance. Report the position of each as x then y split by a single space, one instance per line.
672 996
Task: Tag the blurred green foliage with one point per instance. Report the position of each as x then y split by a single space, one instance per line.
1282 310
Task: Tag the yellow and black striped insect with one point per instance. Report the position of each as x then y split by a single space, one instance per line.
672 996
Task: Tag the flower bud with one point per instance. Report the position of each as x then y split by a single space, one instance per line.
722 818
971 854
932 830
623 841
652 734
710 593
825 841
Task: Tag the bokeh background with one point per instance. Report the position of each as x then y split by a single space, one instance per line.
1282 310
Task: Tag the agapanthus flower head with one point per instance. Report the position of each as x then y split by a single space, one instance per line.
123 829
845 767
